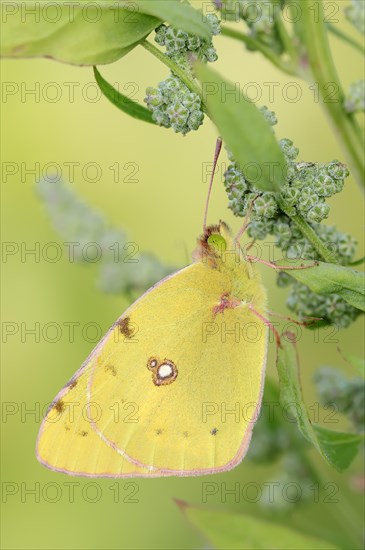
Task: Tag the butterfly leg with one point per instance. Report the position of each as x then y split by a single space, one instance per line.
267 323
309 320
275 266
250 245
246 220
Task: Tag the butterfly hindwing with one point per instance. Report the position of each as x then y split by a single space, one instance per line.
67 442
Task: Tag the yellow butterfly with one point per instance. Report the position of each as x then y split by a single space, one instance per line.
175 386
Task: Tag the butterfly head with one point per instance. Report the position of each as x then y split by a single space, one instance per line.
216 245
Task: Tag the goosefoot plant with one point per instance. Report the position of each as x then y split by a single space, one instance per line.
288 201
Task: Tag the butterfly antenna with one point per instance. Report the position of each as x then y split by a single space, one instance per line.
246 221
218 148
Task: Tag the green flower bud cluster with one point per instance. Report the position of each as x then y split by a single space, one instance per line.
269 116
259 16
74 220
307 188
172 104
305 192
231 10
179 43
290 239
347 395
355 13
331 308
301 300
355 99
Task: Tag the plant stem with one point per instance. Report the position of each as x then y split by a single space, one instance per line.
319 57
286 39
173 67
256 45
345 38
309 233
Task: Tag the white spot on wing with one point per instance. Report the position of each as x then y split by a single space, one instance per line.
165 370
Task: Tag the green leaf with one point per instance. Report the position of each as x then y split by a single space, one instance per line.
121 101
332 279
244 130
182 16
79 34
225 530
338 449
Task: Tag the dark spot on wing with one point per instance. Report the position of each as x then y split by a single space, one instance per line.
125 328
83 433
186 434
60 406
73 385
158 432
214 431
111 369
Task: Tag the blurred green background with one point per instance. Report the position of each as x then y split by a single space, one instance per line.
163 213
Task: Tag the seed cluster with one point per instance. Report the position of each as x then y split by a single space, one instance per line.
355 99
120 266
355 13
172 104
347 395
259 16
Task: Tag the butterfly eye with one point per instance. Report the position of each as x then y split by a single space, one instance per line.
217 241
